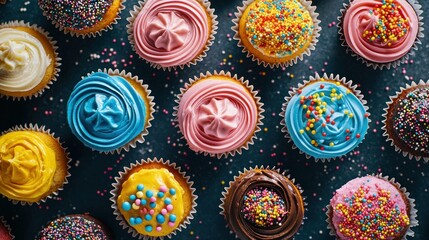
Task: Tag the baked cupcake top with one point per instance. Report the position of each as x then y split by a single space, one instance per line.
27 166
380 31
23 60
171 32
105 112
217 115
152 202
369 208
278 28
73 227
75 14
263 204
325 119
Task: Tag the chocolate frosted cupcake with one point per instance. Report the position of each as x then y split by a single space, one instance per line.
406 122
262 203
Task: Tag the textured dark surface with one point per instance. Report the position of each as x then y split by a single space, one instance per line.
92 173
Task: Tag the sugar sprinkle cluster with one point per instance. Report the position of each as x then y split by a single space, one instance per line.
279 27
263 207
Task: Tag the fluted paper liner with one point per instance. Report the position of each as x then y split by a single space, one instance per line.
346 83
412 214
389 104
311 47
210 11
245 84
117 189
3 221
57 64
284 173
417 8
42 129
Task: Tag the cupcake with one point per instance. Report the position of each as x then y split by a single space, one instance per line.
406 120
5 230
262 203
277 32
82 17
401 30
33 164
29 61
325 117
75 226
218 114
153 199
110 110
172 33
371 207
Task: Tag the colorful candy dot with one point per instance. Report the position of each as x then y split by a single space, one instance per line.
126 206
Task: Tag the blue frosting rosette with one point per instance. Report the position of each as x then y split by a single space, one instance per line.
325 119
105 112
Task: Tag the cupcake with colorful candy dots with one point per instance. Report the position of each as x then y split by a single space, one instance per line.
381 33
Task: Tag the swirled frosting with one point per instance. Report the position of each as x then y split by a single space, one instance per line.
27 166
105 112
377 34
284 199
369 208
325 119
23 61
217 115
171 33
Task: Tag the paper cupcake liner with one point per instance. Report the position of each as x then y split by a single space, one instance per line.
247 85
311 47
417 8
116 191
210 11
389 104
90 34
141 137
42 129
294 91
412 213
12 24
3 221
284 173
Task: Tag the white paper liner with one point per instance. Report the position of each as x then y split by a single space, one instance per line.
141 137
418 9
412 214
389 104
245 84
116 191
284 173
90 34
42 129
210 11
12 24
3 221
311 47
347 83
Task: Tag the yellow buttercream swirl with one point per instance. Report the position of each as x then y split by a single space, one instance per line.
27 166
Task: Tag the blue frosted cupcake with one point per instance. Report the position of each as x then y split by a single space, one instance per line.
325 117
110 110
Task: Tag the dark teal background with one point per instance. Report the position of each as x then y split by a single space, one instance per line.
92 173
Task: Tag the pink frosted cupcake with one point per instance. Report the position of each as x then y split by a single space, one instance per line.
5 230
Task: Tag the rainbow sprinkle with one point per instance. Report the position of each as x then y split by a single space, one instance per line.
263 207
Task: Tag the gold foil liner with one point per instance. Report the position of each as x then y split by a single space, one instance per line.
210 11
417 8
284 173
116 191
12 24
42 129
412 214
294 91
247 85
311 47
3 221
389 104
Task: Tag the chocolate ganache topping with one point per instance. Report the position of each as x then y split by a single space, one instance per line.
263 204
